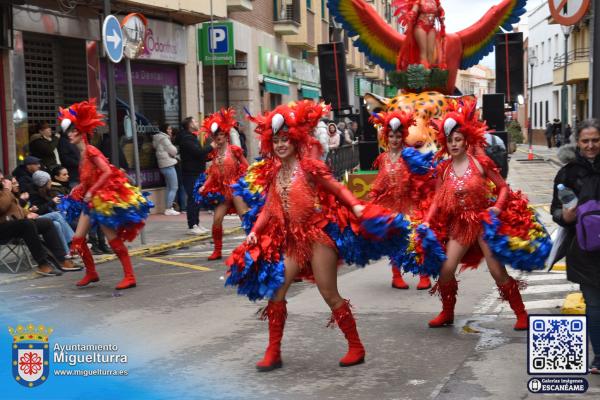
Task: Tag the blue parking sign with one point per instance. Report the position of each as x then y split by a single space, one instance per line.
217 36
216 43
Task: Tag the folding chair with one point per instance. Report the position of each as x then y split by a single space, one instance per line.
14 255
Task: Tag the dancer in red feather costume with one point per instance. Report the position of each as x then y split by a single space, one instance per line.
462 196
228 165
302 199
395 187
103 194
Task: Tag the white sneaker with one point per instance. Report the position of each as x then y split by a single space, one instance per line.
171 211
203 230
198 230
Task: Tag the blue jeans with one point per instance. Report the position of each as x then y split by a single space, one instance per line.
591 294
171 180
64 230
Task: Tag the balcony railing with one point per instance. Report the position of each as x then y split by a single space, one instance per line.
572 56
287 11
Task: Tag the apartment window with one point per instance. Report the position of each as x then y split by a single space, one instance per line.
549 49
309 4
556 45
542 55
323 8
535 118
547 110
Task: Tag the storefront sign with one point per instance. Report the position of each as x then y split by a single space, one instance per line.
362 86
287 68
215 42
165 41
147 75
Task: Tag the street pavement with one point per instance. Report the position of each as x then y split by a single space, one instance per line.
181 326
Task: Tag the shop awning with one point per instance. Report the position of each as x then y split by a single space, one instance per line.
276 86
310 92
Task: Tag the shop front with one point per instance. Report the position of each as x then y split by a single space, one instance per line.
285 79
156 79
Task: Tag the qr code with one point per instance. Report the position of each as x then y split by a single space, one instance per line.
557 344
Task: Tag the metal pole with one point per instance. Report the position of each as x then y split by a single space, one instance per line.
136 153
565 92
530 122
112 103
214 87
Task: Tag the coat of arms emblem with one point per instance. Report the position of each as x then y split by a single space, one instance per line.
30 354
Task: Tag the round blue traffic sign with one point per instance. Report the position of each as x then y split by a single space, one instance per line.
112 38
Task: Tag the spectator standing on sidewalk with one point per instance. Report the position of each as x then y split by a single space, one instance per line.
582 176
193 163
166 156
320 133
548 133
334 136
43 145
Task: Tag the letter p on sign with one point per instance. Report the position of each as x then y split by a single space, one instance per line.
218 39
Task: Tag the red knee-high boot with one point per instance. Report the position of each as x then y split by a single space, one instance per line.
276 312
345 320
121 251
79 246
447 292
424 282
397 280
217 234
509 291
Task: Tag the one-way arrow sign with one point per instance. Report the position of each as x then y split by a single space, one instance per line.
112 38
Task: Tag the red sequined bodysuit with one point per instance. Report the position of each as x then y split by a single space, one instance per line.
428 12
460 200
225 170
299 205
98 177
392 186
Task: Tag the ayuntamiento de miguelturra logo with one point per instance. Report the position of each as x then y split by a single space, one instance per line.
30 354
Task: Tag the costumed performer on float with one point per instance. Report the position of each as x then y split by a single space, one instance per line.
480 218
213 189
424 42
103 194
404 180
308 224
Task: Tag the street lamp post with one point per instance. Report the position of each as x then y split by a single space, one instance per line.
567 29
532 62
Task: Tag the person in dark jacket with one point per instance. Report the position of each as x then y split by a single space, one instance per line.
60 181
193 163
43 145
582 176
69 158
24 173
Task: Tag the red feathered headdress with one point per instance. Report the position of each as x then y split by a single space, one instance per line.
297 120
393 121
221 121
464 118
82 116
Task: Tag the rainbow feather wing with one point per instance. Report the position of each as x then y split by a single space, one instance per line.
374 37
478 39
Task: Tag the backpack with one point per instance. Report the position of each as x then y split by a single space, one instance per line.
498 155
588 225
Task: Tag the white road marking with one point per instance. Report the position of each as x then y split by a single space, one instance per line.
564 287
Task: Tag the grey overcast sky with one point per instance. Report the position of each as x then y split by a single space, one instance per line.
463 13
